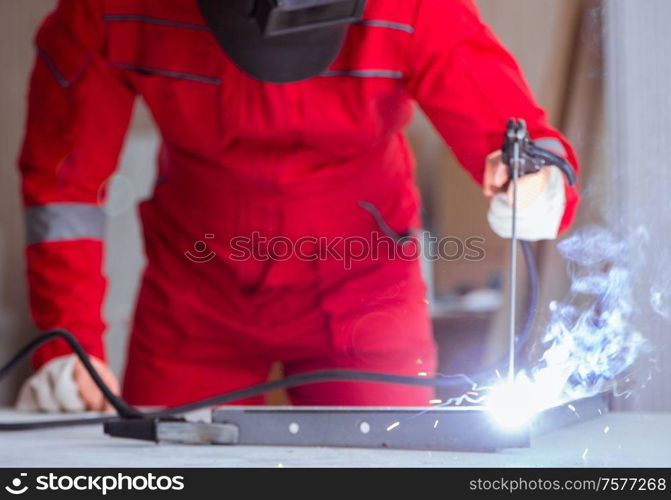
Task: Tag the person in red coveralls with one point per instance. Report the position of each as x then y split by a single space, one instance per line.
280 120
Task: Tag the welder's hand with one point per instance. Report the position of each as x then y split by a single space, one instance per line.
64 385
89 391
529 187
541 201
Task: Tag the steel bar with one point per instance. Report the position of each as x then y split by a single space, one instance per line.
453 428
572 413
406 428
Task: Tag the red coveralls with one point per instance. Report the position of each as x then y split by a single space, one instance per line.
240 156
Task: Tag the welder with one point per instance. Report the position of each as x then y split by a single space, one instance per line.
280 120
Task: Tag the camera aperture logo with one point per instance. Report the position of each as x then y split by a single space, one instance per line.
17 487
101 483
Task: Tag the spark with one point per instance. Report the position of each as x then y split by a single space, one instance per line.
422 374
509 404
590 338
606 430
435 401
472 397
584 455
393 426
435 424
572 408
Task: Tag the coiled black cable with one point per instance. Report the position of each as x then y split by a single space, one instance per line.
125 411
524 334
122 408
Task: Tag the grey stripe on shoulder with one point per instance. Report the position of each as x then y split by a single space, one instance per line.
154 20
170 74
64 222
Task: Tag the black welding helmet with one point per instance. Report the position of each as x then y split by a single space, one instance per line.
281 41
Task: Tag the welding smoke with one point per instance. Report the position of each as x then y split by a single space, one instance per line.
591 342
660 294
591 338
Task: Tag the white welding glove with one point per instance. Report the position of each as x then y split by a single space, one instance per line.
52 388
539 220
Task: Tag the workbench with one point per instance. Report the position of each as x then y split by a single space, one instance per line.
614 440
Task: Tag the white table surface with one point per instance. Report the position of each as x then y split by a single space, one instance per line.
614 440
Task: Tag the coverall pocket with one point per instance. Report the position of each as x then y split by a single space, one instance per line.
177 69
175 51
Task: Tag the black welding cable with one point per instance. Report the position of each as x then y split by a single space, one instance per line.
56 423
558 161
446 381
125 411
256 390
524 335
121 407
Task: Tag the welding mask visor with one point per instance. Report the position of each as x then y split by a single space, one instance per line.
281 41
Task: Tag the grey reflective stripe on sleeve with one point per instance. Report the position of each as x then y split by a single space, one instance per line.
552 144
63 222
365 73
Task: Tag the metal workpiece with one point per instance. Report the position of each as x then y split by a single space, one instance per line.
451 428
572 413
371 427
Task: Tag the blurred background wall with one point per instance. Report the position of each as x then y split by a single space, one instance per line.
559 45
638 86
17 24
